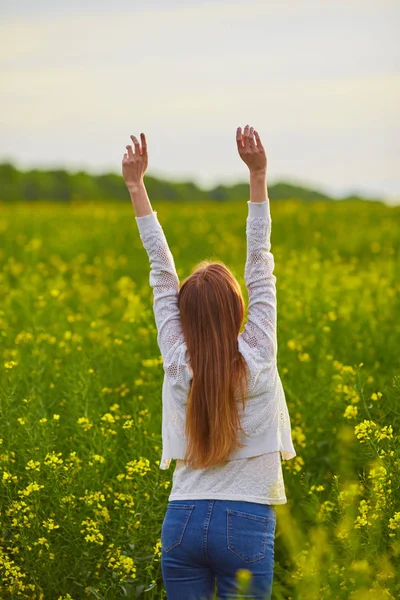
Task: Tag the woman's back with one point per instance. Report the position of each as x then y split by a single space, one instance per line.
219 518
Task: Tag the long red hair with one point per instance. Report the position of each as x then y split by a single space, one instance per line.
212 311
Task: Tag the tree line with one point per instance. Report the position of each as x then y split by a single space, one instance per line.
60 185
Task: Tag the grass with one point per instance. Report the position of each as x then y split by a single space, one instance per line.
82 498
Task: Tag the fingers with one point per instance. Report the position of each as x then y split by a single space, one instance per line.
136 143
259 144
246 138
247 141
251 139
144 143
138 151
239 140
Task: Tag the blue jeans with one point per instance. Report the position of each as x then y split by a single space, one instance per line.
205 542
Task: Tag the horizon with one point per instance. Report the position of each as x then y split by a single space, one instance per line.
206 189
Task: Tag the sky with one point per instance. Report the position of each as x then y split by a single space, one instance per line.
318 79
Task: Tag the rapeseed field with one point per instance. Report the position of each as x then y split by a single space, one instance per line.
82 496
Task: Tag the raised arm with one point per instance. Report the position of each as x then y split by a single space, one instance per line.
165 283
260 329
163 277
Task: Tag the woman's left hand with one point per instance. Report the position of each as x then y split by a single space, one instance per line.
134 164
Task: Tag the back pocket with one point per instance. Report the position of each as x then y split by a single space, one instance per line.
247 534
174 525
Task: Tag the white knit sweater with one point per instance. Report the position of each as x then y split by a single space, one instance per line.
253 473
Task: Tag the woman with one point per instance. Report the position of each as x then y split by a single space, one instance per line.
225 418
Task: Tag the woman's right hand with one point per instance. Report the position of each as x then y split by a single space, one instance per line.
251 151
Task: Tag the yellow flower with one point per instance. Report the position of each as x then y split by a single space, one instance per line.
6 476
385 432
151 362
298 436
243 576
10 364
32 487
24 337
108 417
351 411
50 525
362 519
33 465
98 458
120 563
363 430
53 460
141 466
394 523
157 549
42 541
84 422
93 534
348 369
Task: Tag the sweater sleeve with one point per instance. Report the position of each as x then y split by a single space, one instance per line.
165 283
260 329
